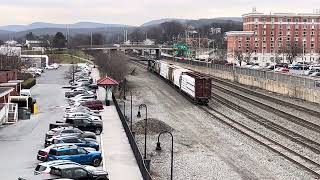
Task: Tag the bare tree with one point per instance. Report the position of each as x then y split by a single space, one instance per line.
239 56
292 51
248 54
220 55
113 64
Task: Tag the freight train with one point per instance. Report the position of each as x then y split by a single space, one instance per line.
196 86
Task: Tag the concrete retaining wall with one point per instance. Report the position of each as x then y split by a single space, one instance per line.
273 86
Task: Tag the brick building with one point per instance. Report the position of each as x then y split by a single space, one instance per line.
278 37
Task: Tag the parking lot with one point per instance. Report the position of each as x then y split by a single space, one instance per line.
20 142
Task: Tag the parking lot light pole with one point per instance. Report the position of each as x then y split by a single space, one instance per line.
145 127
124 88
158 148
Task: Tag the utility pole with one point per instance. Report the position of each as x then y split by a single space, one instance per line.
91 38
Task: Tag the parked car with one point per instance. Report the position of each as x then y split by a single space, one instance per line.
43 153
94 105
77 154
309 72
81 142
83 124
45 167
61 131
315 67
82 115
78 172
315 74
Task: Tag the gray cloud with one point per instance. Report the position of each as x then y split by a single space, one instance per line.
136 12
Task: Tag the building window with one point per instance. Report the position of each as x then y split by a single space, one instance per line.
313 20
304 27
312 27
288 33
264 26
272 26
272 20
256 26
272 39
263 19
296 26
304 33
257 45
296 20
297 33
305 20
280 33
248 38
256 19
264 38
255 38
288 20
271 45
312 38
280 20
264 32
280 26
263 45
288 39
296 39
312 45
312 33
288 27
280 45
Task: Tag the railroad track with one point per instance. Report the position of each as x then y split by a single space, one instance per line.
305 163
297 138
280 113
294 157
138 63
268 98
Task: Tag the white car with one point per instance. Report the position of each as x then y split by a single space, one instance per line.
315 74
81 115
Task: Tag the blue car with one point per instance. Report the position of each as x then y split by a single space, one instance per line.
81 142
76 154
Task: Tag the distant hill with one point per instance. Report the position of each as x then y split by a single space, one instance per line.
195 21
42 25
160 21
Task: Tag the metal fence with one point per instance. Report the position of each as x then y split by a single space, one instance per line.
144 172
307 82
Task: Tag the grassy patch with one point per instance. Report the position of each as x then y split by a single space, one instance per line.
64 59
29 83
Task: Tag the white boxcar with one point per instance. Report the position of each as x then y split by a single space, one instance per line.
164 70
177 74
188 85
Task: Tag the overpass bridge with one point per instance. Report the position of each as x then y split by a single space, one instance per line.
141 48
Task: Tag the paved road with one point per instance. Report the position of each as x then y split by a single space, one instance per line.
20 142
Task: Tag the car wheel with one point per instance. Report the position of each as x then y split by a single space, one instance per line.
98 131
96 162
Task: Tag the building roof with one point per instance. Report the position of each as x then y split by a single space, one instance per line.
107 81
8 84
15 81
240 33
5 90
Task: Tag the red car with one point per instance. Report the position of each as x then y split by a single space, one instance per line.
93 105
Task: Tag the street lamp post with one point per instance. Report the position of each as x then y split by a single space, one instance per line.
158 148
145 127
124 88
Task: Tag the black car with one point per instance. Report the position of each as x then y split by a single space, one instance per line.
67 131
78 172
82 124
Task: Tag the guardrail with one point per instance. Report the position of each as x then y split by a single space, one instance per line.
132 142
307 82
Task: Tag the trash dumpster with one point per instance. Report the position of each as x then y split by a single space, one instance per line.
24 113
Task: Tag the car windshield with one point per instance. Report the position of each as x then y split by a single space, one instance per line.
40 168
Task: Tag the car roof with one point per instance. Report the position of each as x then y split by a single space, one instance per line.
67 166
62 146
57 162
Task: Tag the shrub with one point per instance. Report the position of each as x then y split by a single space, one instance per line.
29 83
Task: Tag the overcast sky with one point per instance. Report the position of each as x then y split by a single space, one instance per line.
137 12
